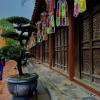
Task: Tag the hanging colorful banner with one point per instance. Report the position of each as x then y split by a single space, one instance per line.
44 25
62 13
58 14
39 35
76 7
79 7
50 20
50 24
82 6
67 20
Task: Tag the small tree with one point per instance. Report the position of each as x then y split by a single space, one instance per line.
14 50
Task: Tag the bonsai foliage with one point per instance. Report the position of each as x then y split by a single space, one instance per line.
7 27
18 20
10 41
12 51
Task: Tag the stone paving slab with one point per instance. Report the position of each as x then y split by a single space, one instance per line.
58 86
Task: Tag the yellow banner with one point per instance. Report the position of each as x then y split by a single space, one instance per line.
82 5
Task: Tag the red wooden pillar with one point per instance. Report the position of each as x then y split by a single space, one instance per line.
71 45
50 50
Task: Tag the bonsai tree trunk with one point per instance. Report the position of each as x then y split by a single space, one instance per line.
19 68
20 59
19 65
20 38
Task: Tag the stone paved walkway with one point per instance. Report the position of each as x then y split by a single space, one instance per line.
8 70
50 82
58 86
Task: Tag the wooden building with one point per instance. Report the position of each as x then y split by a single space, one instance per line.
73 50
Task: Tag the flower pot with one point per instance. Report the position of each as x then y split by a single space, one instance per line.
21 89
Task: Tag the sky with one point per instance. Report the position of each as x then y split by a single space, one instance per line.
10 8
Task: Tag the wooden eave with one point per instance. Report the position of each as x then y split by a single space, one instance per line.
40 6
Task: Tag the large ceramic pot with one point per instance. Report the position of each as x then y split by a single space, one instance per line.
22 88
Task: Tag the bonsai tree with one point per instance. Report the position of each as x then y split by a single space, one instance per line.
14 50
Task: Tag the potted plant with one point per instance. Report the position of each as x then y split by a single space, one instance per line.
23 85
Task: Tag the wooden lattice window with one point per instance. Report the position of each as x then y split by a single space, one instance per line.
96 47
61 48
90 46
